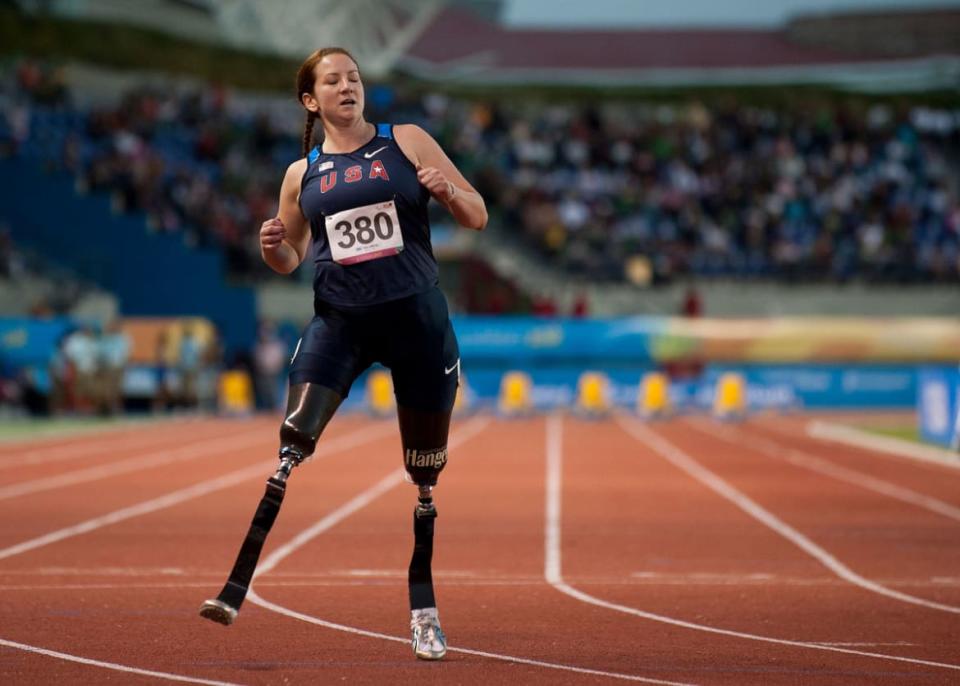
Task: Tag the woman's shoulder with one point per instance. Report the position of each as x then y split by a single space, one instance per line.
293 179
297 167
295 171
409 131
414 141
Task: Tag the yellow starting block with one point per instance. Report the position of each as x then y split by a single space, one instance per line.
653 398
516 394
464 398
380 399
730 401
235 392
593 394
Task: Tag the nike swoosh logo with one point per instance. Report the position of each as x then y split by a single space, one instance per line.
368 155
456 364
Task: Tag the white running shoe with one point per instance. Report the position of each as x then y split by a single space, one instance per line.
428 640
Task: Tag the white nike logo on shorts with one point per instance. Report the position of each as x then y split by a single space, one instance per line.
368 155
456 364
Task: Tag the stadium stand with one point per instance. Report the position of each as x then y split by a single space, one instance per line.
628 191
746 189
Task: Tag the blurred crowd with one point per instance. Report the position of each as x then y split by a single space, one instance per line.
86 372
651 192
31 284
83 374
159 366
833 190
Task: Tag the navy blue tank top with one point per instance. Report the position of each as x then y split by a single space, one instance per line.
379 180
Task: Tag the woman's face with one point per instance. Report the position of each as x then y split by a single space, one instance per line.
337 91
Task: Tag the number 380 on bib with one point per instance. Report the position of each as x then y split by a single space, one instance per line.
364 233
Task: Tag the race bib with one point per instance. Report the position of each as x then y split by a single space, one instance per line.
364 233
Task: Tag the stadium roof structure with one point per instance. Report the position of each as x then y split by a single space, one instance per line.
377 32
460 41
459 45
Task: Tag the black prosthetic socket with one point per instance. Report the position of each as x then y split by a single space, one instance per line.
424 437
420 577
309 408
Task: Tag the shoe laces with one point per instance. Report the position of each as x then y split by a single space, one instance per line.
428 623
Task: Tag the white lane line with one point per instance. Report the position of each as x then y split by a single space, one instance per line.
355 504
827 468
866 645
112 665
472 428
553 567
452 649
103 444
350 440
887 445
367 583
192 451
445 580
151 572
683 461
387 483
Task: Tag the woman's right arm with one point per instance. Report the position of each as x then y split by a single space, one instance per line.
285 239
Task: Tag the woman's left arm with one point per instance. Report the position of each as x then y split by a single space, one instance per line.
441 177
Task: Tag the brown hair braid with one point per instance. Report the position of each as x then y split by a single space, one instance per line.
308 132
306 80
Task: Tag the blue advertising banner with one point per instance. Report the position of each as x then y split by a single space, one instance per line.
767 387
555 352
833 385
524 339
938 405
29 344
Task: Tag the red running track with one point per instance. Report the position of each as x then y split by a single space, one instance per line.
568 552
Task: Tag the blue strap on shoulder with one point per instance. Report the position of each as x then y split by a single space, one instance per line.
383 130
313 155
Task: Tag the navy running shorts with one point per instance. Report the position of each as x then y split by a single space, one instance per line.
412 337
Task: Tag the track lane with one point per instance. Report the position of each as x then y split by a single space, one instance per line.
936 480
871 535
682 533
490 528
493 500
169 538
750 439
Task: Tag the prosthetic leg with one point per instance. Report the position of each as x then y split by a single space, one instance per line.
224 608
309 408
423 466
427 638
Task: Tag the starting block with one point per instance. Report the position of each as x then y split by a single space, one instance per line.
516 394
463 401
593 394
235 393
730 401
653 397
380 399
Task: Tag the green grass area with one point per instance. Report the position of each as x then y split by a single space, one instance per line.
906 433
18 429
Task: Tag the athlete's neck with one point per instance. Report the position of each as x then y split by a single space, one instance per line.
339 139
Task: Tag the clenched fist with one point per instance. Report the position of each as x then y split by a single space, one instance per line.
436 183
272 233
